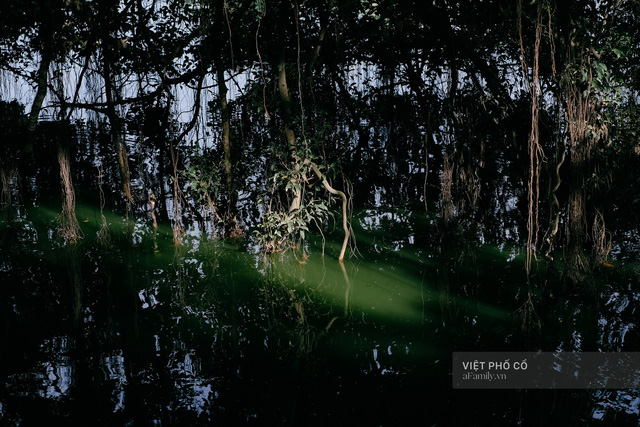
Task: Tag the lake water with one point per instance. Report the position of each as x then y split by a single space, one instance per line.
139 331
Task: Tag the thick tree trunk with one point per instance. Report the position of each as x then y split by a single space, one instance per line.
583 133
577 265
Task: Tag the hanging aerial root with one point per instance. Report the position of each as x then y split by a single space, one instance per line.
348 190
536 154
176 223
103 236
69 226
529 317
446 197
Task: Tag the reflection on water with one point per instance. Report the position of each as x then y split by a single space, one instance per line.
141 331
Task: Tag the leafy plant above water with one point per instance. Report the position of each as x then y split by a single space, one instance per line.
202 182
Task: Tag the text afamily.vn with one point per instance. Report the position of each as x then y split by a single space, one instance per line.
485 376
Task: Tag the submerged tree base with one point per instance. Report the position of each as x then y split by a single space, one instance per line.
578 276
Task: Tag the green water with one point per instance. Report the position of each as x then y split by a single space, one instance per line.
139 331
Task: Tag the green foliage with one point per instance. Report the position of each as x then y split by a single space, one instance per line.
281 230
202 180
260 6
284 226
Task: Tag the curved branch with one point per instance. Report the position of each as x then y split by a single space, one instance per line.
332 190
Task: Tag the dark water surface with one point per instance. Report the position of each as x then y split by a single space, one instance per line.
139 331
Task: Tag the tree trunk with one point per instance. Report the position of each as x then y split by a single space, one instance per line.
233 229
577 266
297 177
36 107
283 89
114 120
41 93
324 23
583 133
289 133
